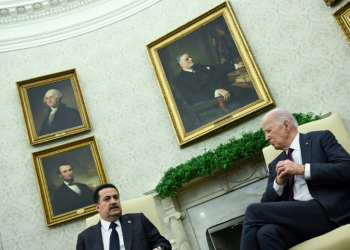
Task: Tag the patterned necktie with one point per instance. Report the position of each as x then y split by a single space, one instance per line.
290 177
114 239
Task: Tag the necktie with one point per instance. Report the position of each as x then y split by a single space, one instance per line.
114 239
290 177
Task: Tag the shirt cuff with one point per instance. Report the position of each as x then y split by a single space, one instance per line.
216 93
278 188
307 172
236 66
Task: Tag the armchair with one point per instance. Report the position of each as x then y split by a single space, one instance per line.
339 238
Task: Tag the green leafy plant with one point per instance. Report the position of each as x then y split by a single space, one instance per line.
250 144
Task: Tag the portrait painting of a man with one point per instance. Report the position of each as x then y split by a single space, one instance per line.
202 69
207 75
71 179
54 108
59 117
67 176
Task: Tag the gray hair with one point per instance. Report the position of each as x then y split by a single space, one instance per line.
56 92
280 115
178 58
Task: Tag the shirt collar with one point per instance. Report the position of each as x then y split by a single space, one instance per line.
295 144
67 183
105 224
188 70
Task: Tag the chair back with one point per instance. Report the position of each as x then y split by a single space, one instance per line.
145 205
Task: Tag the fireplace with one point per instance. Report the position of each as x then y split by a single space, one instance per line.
212 200
225 236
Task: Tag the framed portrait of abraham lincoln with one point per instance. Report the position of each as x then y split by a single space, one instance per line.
207 75
67 175
53 106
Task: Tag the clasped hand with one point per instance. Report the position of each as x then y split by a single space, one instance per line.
224 93
287 167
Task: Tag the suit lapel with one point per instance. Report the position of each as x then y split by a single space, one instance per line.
70 192
127 228
305 147
95 237
282 156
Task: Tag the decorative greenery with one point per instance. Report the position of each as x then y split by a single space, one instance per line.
249 144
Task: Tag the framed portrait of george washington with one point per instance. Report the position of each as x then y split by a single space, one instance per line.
53 106
67 175
342 16
207 75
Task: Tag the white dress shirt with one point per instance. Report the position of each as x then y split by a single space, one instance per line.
106 233
52 115
300 190
75 188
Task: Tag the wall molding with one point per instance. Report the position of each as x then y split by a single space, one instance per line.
82 17
23 11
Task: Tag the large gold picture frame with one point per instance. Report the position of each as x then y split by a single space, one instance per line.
62 169
342 16
71 116
214 38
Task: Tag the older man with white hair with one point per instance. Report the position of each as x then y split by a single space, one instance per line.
307 193
59 117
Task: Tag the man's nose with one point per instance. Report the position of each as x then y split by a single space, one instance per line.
267 138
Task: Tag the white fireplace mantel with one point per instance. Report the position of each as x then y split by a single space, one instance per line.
210 200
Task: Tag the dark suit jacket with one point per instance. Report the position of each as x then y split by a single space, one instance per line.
65 199
200 86
64 118
330 175
139 234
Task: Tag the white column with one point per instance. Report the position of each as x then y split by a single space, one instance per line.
174 216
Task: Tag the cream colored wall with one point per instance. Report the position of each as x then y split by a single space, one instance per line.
302 54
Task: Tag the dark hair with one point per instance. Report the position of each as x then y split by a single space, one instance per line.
99 188
63 163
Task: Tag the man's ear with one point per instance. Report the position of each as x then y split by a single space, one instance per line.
60 175
97 207
286 125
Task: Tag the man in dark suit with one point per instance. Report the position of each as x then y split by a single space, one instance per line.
307 194
59 116
199 83
116 231
70 195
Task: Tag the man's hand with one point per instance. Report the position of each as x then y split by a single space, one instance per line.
287 167
224 93
240 65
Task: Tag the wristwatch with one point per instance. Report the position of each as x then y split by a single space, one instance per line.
160 248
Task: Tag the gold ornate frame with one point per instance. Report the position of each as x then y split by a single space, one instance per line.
38 87
342 16
45 174
265 99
